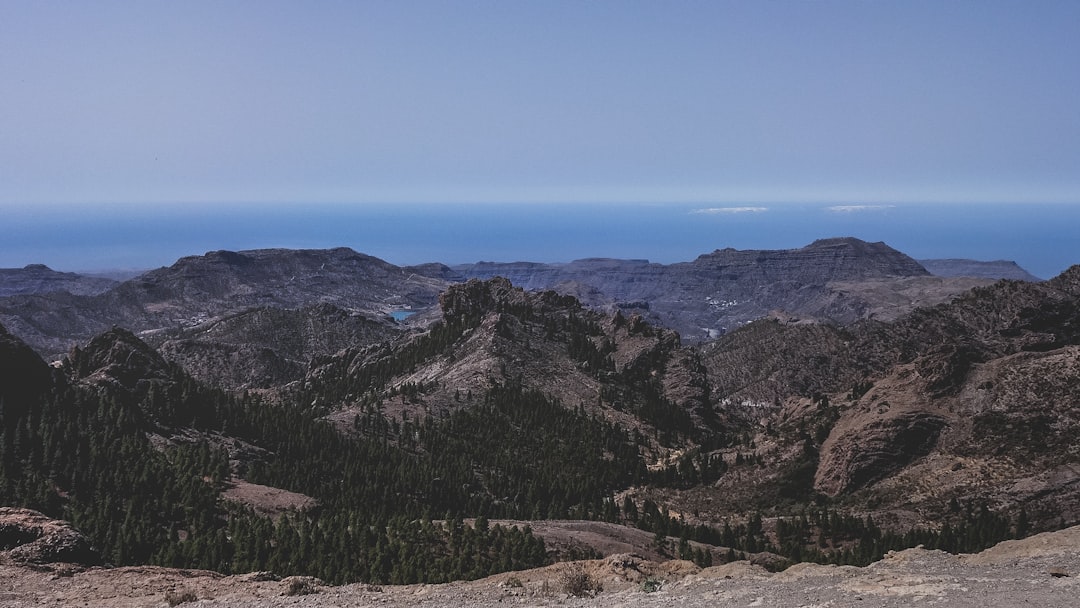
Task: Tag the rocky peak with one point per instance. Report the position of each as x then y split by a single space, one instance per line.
476 297
117 357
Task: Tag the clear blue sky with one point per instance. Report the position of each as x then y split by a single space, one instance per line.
712 101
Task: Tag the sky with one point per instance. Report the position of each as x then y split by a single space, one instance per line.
224 111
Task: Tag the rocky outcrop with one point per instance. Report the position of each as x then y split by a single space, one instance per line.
868 449
989 378
117 358
476 298
28 536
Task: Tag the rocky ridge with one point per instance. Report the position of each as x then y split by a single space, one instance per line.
834 280
727 288
503 335
225 306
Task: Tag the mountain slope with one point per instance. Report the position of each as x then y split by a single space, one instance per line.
37 279
781 436
724 289
493 334
166 303
834 280
266 347
940 400
137 455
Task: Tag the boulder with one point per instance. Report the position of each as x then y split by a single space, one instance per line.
31 537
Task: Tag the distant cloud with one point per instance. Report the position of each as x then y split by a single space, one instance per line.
854 208
725 210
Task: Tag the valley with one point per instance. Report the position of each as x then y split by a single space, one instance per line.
322 413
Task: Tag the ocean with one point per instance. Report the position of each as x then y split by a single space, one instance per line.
1043 238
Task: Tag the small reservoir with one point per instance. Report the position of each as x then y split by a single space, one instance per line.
401 315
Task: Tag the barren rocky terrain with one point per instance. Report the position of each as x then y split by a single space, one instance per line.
1038 571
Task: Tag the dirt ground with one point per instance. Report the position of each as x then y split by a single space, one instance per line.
1043 570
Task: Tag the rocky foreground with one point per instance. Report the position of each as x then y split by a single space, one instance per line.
1042 570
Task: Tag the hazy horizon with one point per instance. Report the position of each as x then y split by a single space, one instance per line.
456 131
1041 238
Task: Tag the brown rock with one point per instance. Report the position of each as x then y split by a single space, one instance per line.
31 537
871 447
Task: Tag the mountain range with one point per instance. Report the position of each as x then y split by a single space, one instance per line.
213 307
835 402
